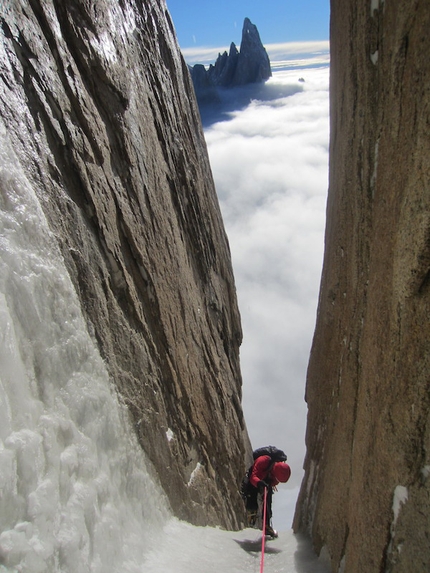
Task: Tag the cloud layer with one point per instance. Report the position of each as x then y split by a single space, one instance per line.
270 165
300 51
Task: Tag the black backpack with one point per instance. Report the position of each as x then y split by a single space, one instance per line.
275 454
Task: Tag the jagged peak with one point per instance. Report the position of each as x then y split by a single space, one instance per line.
248 65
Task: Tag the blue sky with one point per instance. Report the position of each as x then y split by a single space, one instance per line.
218 23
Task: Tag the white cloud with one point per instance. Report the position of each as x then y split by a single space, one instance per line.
308 52
270 165
299 54
202 54
307 49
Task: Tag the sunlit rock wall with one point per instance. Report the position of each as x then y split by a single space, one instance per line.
99 106
365 498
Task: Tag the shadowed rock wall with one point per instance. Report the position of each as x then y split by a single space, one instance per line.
99 106
366 492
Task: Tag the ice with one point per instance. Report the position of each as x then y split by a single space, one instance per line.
169 435
374 57
75 484
425 472
400 497
194 473
374 5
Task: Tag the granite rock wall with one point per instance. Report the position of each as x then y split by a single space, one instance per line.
365 498
99 106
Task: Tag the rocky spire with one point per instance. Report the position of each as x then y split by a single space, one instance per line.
237 68
253 64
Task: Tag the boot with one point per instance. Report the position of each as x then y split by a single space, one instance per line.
270 532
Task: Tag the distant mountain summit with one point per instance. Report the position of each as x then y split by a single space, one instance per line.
237 68
250 65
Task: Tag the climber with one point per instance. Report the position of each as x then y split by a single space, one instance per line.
269 469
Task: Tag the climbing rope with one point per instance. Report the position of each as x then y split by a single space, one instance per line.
263 540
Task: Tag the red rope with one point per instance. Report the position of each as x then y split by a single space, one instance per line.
263 540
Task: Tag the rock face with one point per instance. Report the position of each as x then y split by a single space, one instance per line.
366 492
253 64
237 68
223 73
99 106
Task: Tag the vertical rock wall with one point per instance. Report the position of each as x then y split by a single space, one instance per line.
99 106
366 492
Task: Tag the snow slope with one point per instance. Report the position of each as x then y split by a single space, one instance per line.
185 548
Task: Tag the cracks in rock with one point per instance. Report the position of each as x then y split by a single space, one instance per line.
76 107
423 272
59 142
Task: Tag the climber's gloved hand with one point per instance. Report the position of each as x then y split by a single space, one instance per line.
262 485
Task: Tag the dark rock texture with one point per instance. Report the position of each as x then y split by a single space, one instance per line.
99 106
223 72
237 68
366 492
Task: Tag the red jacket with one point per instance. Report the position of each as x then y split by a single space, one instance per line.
261 471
